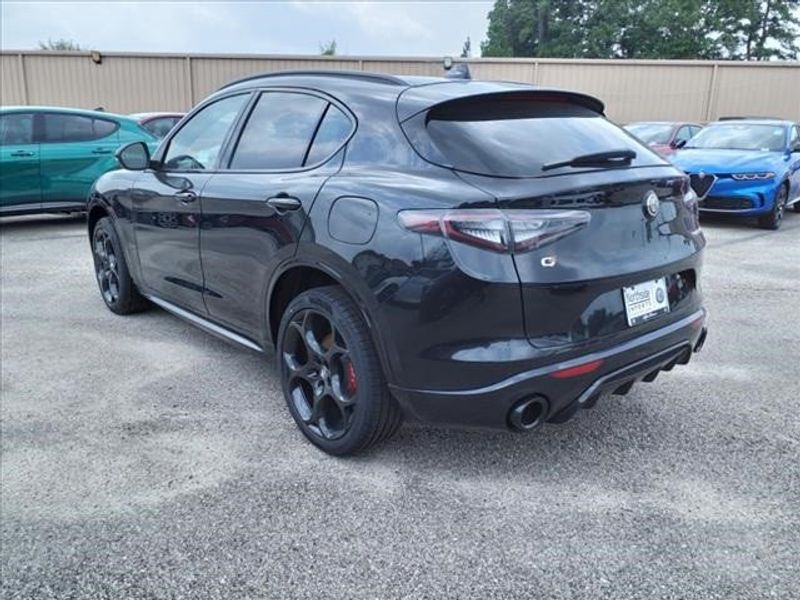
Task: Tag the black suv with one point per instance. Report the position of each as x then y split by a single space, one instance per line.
467 253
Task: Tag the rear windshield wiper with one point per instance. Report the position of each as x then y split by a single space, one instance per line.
610 158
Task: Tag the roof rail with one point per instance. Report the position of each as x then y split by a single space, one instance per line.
371 77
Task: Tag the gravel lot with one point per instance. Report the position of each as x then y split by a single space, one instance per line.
143 458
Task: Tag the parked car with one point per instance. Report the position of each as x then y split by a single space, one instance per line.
158 123
405 250
665 137
747 167
49 156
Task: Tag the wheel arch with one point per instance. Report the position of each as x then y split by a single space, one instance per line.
298 276
96 212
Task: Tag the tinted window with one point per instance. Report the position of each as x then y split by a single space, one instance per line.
278 131
741 136
197 144
16 129
332 132
63 128
516 136
161 126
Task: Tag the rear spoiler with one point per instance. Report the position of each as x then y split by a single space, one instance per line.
415 100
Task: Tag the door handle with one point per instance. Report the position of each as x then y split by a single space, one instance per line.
21 153
186 197
101 151
284 203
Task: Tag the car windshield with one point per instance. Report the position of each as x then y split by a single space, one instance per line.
651 133
741 136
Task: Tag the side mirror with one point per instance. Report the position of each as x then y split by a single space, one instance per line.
134 156
678 144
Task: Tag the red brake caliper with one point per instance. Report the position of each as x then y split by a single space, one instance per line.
350 373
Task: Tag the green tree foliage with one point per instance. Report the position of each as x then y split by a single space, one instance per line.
328 49
60 45
708 29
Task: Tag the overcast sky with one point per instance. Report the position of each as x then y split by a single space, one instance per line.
279 27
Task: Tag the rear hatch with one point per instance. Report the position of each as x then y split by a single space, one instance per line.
588 211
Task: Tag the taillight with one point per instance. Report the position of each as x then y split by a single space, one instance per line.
692 203
506 231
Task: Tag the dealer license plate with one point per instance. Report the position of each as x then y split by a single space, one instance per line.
645 301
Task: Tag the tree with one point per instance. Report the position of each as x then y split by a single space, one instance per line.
328 49
466 50
60 44
705 29
761 29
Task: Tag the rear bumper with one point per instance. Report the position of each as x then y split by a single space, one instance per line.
620 366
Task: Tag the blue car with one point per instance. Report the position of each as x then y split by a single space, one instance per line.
747 167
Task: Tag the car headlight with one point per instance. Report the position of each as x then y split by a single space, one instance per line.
753 176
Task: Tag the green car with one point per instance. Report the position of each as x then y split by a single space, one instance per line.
49 157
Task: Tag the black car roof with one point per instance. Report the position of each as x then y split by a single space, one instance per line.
413 93
416 92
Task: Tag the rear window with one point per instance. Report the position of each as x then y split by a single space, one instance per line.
516 136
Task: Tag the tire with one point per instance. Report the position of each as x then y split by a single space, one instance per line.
111 271
796 206
773 219
331 375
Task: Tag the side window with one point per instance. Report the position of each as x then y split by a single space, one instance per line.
16 128
64 128
794 136
278 131
683 135
197 144
695 130
161 126
332 132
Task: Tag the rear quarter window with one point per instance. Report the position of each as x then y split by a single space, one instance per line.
331 134
515 136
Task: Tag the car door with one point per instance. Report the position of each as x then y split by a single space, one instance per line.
254 211
75 150
794 164
167 208
20 187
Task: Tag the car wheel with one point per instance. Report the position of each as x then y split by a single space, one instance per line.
331 376
773 219
116 286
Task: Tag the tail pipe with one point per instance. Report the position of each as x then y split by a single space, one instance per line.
528 413
701 340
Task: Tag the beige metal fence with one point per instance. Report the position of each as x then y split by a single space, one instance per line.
632 90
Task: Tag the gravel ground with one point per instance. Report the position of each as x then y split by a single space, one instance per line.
142 458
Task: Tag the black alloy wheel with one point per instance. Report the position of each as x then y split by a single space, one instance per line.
106 266
113 278
332 379
322 379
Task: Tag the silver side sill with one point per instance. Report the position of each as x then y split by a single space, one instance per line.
205 325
